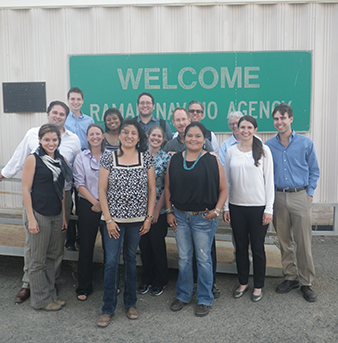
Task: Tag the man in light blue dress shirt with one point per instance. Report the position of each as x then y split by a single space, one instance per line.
296 172
233 119
77 122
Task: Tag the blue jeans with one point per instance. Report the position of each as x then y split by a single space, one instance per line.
130 237
194 232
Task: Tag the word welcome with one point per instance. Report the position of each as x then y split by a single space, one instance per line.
207 78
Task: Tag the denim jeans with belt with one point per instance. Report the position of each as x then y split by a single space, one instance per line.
194 232
130 236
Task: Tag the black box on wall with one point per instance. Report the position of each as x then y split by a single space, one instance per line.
25 97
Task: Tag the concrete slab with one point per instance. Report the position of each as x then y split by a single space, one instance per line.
12 240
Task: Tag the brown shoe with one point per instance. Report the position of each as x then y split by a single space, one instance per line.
60 302
52 307
177 305
104 320
23 295
132 313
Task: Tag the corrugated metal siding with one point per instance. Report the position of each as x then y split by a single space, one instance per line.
35 45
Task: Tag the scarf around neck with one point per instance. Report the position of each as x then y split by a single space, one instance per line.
58 167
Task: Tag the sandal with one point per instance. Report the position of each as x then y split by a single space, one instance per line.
82 297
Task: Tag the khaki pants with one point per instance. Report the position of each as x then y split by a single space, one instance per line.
292 221
27 247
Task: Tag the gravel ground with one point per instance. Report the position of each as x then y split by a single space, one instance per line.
276 318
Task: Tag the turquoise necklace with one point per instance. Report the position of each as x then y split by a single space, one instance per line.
185 162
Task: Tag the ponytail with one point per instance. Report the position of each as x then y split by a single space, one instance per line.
257 150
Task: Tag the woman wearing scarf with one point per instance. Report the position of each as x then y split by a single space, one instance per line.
43 178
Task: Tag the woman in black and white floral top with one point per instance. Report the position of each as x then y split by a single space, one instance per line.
127 194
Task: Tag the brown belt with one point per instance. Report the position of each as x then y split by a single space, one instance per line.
193 213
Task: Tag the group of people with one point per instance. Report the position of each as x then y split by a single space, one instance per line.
134 178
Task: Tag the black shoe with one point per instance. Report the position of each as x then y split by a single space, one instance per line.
239 294
215 291
202 310
308 293
143 289
157 290
177 305
287 285
256 298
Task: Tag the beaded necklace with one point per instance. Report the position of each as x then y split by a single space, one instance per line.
185 162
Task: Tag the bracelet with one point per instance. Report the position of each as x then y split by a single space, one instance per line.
168 210
148 221
148 216
218 210
29 219
217 213
109 221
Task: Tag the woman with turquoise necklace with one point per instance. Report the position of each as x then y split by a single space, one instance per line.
195 191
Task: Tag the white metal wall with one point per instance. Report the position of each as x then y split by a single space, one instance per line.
35 45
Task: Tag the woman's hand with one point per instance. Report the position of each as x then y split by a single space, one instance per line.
96 207
226 216
155 215
33 226
171 219
211 214
145 227
113 230
267 218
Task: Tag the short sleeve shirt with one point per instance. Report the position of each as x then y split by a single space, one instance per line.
127 190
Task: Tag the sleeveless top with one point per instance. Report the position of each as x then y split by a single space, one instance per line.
45 200
196 189
111 147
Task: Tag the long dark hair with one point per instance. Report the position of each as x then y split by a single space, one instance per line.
110 112
103 143
142 144
257 145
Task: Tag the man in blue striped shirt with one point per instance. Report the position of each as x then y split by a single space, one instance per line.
296 172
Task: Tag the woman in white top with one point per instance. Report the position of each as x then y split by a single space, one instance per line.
249 171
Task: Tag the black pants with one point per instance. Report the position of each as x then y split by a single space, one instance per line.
88 224
72 237
154 254
247 226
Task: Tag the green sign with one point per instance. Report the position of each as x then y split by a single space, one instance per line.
250 82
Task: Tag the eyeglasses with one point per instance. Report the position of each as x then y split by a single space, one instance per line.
233 124
197 111
142 103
